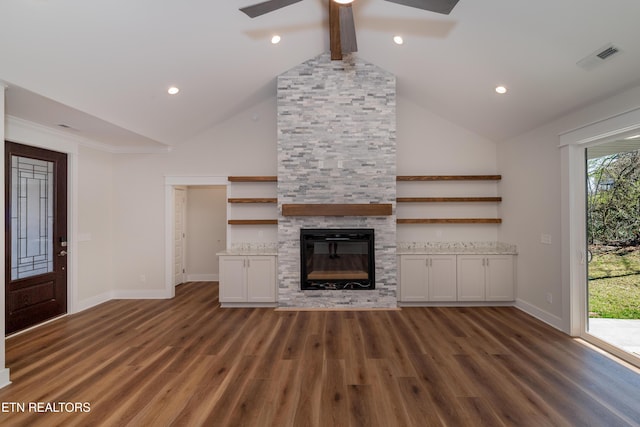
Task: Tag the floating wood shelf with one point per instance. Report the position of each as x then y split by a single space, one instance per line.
252 179
449 221
252 221
252 200
354 209
449 178
447 199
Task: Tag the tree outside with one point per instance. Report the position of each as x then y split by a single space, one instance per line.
613 235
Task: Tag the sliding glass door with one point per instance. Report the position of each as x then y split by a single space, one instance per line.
613 243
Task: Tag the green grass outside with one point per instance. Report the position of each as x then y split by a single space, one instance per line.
614 285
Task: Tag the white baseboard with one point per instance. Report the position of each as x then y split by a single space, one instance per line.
545 316
203 277
93 301
4 377
457 304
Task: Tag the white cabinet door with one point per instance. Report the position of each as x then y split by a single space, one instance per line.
471 277
233 286
442 278
261 279
500 278
413 278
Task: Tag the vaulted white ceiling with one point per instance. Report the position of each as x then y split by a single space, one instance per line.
103 67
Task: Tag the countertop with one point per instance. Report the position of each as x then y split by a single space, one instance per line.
249 249
456 248
403 248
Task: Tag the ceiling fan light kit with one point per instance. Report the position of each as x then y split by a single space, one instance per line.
342 30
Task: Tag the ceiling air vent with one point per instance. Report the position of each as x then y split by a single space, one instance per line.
598 57
611 50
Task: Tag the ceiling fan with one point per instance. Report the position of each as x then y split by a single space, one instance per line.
342 32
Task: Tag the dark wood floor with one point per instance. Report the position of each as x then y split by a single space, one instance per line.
188 362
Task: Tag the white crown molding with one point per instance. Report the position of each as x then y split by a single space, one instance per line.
15 127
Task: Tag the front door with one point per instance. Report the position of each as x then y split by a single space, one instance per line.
36 235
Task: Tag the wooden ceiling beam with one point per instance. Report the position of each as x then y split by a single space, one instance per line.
334 31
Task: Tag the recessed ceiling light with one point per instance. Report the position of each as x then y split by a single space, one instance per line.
398 40
343 1
275 39
633 137
501 90
173 90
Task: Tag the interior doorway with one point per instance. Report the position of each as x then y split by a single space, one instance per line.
35 235
206 231
191 182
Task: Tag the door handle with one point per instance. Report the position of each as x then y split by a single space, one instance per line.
62 253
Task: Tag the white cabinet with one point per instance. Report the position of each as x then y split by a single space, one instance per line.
247 279
500 272
233 279
427 278
471 277
485 278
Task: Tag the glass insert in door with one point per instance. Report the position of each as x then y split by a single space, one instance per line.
31 217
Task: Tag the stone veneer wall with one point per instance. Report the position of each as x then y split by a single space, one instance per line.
336 144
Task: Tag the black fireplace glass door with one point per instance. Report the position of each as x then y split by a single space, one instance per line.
337 259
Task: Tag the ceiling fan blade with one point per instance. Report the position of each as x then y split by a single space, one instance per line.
438 6
347 30
266 7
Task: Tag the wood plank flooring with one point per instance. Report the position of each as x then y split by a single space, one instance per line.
187 362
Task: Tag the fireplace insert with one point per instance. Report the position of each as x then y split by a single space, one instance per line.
337 259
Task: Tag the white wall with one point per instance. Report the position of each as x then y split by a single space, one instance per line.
206 230
532 172
430 145
95 226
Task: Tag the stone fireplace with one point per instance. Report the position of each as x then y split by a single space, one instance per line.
337 145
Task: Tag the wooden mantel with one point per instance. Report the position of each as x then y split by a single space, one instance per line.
337 209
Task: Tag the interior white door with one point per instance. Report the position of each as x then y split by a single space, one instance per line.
180 268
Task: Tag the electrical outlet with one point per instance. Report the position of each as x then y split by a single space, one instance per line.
549 297
545 239
143 278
